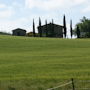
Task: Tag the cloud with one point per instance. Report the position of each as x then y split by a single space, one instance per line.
16 15
86 10
2 6
76 2
9 25
52 4
5 11
6 14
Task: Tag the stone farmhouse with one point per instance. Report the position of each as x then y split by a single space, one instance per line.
53 30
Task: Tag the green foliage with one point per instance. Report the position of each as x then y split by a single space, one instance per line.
46 29
52 28
41 63
34 34
4 33
87 35
64 26
40 30
84 26
78 32
71 31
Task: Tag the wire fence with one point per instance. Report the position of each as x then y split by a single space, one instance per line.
82 84
73 85
60 86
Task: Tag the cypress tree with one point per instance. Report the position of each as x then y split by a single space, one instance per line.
40 30
52 27
34 29
71 32
52 21
78 32
46 29
64 26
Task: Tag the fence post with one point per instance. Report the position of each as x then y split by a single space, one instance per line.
73 86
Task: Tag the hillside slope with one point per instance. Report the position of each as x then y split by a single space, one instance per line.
43 61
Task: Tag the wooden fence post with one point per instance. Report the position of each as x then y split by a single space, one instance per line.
73 86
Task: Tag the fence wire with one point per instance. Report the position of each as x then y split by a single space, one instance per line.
60 86
78 85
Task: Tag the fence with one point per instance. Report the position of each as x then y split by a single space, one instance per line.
73 85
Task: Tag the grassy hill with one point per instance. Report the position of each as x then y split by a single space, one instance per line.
41 63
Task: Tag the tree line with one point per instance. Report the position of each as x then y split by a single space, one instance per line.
83 26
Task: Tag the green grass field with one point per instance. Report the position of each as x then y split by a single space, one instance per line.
39 63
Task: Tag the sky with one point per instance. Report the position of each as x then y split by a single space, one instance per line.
20 13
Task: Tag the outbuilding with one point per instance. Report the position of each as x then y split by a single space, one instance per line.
19 32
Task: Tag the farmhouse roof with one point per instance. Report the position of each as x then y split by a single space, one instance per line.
19 29
53 24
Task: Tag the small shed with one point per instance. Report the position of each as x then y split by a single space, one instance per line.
19 32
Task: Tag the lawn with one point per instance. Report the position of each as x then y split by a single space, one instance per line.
28 63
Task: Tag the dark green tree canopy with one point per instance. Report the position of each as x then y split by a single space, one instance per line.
71 31
78 32
33 28
64 25
84 25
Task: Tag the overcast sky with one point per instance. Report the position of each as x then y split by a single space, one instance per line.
20 13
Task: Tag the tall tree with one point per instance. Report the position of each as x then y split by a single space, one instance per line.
52 21
78 32
46 29
40 30
52 27
34 29
71 32
64 25
84 26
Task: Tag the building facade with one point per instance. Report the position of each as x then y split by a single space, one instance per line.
19 32
51 30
